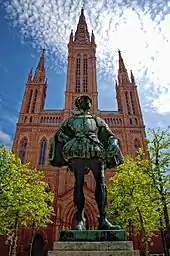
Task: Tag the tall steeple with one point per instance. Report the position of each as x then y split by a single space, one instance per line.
40 70
123 78
82 34
81 70
35 91
127 96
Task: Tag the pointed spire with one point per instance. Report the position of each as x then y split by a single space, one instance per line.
132 77
71 37
123 77
82 34
116 83
40 70
121 63
30 76
41 61
92 38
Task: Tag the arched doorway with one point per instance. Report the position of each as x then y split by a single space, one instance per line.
38 246
74 221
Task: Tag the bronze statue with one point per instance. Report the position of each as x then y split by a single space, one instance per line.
83 143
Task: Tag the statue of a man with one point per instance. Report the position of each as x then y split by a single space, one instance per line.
83 143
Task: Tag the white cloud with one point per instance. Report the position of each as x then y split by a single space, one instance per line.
162 103
5 138
139 28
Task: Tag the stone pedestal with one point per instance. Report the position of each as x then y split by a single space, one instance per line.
93 243
92 235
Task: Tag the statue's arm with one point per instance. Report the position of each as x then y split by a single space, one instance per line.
62 137
64 132
110 140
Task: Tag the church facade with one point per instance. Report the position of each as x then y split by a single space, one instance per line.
37 125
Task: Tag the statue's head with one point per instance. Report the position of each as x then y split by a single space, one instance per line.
83 102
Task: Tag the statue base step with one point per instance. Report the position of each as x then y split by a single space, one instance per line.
109 248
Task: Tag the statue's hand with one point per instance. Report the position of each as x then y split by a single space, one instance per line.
113 147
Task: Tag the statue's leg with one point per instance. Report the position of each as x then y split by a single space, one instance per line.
79 199
101 195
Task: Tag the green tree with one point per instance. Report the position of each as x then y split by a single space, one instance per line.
24 200
159 148
134 199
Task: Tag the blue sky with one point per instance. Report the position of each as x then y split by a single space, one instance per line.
139 28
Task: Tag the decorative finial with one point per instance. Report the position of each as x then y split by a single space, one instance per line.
82 11
43 52
132 77
92 37
30 75
71 36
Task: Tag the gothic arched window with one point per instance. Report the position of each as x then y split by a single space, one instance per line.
127 102
25 119
132 102
22 150
29 101
35 99
43 146
137 145
85 77
78 73
130 121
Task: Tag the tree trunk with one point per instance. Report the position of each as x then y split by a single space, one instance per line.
31 241
11 241
143 230
165 210
167 225
162 236
14 246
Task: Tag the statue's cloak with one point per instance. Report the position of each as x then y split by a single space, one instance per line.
55 155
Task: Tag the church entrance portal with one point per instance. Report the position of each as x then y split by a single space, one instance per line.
38 246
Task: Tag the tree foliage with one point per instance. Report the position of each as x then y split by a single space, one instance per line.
159 148
140 190
134 198
24 195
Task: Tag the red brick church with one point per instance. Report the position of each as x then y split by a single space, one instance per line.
36 126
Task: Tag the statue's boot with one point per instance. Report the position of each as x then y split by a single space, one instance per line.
104 224
101 199
81 221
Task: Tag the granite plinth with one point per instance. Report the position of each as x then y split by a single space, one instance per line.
114 248
94 246
92 235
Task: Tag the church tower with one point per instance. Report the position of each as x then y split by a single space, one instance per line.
35 91
129 106
81 71
33 102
